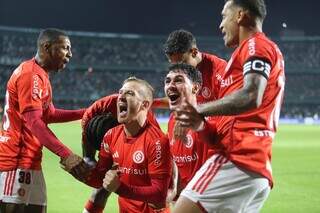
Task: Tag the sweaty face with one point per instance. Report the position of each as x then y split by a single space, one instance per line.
129 102
177 87
229 25
60 53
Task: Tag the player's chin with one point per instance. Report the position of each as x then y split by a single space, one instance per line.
122 119
61 67
173 107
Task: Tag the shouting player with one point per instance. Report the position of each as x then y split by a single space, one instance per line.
139 149
96 121
182 84
28 110
239 179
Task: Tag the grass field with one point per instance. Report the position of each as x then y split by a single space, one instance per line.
296 168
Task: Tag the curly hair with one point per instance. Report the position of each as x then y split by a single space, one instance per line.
179 41
193 73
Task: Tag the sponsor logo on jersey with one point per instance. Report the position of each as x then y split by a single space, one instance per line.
138 157
132 171
205 92
252 46
36 91
158 153
186 158
224 82
4 139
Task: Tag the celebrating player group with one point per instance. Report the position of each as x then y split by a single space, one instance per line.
215 157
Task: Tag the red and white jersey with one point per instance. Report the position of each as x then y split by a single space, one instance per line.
28 88
248 137
105 105
188 156
211 68
140 158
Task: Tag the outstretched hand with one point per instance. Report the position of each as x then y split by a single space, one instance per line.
188 116
76 166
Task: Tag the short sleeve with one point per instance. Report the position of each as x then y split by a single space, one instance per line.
30 88
257 56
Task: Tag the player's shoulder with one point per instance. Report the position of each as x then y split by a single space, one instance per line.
209 57
31 69
257 43
113 133
258 46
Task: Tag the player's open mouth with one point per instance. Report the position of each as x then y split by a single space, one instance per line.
123 109
173 98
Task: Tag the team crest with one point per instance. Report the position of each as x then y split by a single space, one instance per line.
206 93
138 157
21 192
189 141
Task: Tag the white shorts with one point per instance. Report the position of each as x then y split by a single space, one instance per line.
23 186
220 186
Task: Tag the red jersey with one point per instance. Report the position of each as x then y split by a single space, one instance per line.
105 105
189 156
140 158
28 88
248 137
211 68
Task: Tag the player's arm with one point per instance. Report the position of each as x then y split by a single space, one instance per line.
256 73
160 103
105 162
45 136
55 115
154 193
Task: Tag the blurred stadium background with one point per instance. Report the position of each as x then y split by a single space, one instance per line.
114 40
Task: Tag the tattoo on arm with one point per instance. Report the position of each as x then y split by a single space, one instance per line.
242 100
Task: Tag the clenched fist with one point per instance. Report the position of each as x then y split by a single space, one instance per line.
111 180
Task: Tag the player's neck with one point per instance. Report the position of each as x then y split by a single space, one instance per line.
248 32
132 128
41 62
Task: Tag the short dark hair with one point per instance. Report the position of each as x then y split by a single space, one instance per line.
179 41
193 73
50 35
255 7
97 128
148 93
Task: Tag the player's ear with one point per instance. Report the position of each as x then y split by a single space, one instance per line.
196 88
194 51
46 46
244 17
146 104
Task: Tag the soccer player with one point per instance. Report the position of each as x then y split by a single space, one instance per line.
182 83
28 110
96 121
239 179
139 149
181 46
